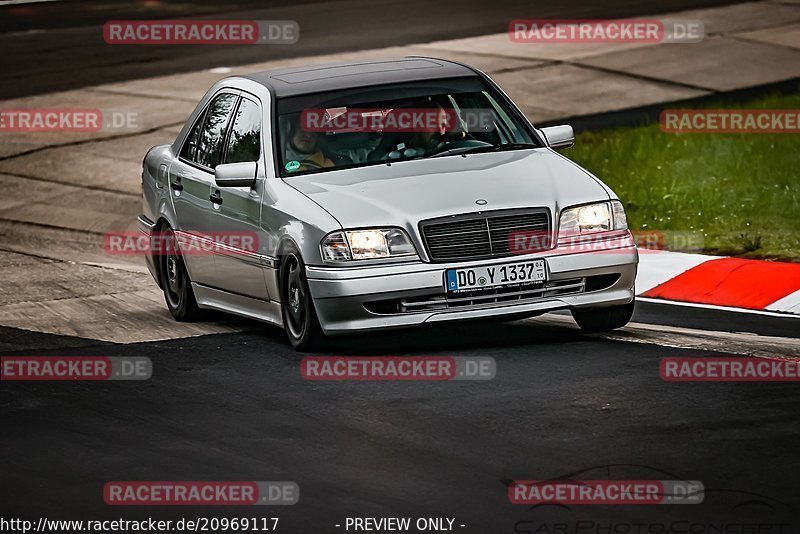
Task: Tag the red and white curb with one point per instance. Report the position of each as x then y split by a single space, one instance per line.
719 281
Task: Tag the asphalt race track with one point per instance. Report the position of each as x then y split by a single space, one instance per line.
234 406
57 46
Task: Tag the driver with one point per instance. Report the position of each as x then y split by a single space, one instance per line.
434 139
303 148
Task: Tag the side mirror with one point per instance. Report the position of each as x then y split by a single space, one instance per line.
236 174
559 136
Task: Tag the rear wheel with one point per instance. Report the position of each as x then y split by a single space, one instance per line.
297 307
176 284
604 319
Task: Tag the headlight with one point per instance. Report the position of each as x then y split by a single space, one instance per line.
366 244
345 245
599 217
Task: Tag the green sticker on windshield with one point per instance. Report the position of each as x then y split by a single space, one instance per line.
292 166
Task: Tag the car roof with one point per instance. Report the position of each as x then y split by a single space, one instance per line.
297 81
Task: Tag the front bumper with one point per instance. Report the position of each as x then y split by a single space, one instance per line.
363 298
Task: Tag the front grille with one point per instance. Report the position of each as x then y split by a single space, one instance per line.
486 235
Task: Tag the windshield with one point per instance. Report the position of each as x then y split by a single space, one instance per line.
379 125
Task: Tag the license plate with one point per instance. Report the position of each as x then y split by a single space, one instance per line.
495 276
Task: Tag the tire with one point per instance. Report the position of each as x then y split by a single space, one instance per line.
604 319
176 284
297 306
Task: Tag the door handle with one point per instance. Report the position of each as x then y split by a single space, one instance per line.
215 197
176 184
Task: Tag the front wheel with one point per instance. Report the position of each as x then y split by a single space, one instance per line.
604 319
176 283
297 307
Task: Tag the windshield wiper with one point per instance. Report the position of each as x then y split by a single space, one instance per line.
483 149
500 148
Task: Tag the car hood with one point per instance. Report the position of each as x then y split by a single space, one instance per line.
404 193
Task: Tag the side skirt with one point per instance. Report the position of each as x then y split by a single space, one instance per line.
216 299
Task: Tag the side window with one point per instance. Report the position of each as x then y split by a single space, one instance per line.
204 145
189 151
245 139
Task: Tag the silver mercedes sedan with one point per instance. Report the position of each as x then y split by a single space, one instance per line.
351 197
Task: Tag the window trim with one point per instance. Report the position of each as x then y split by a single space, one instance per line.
254 100
236 93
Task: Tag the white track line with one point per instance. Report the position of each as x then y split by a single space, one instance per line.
721 308
789 304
